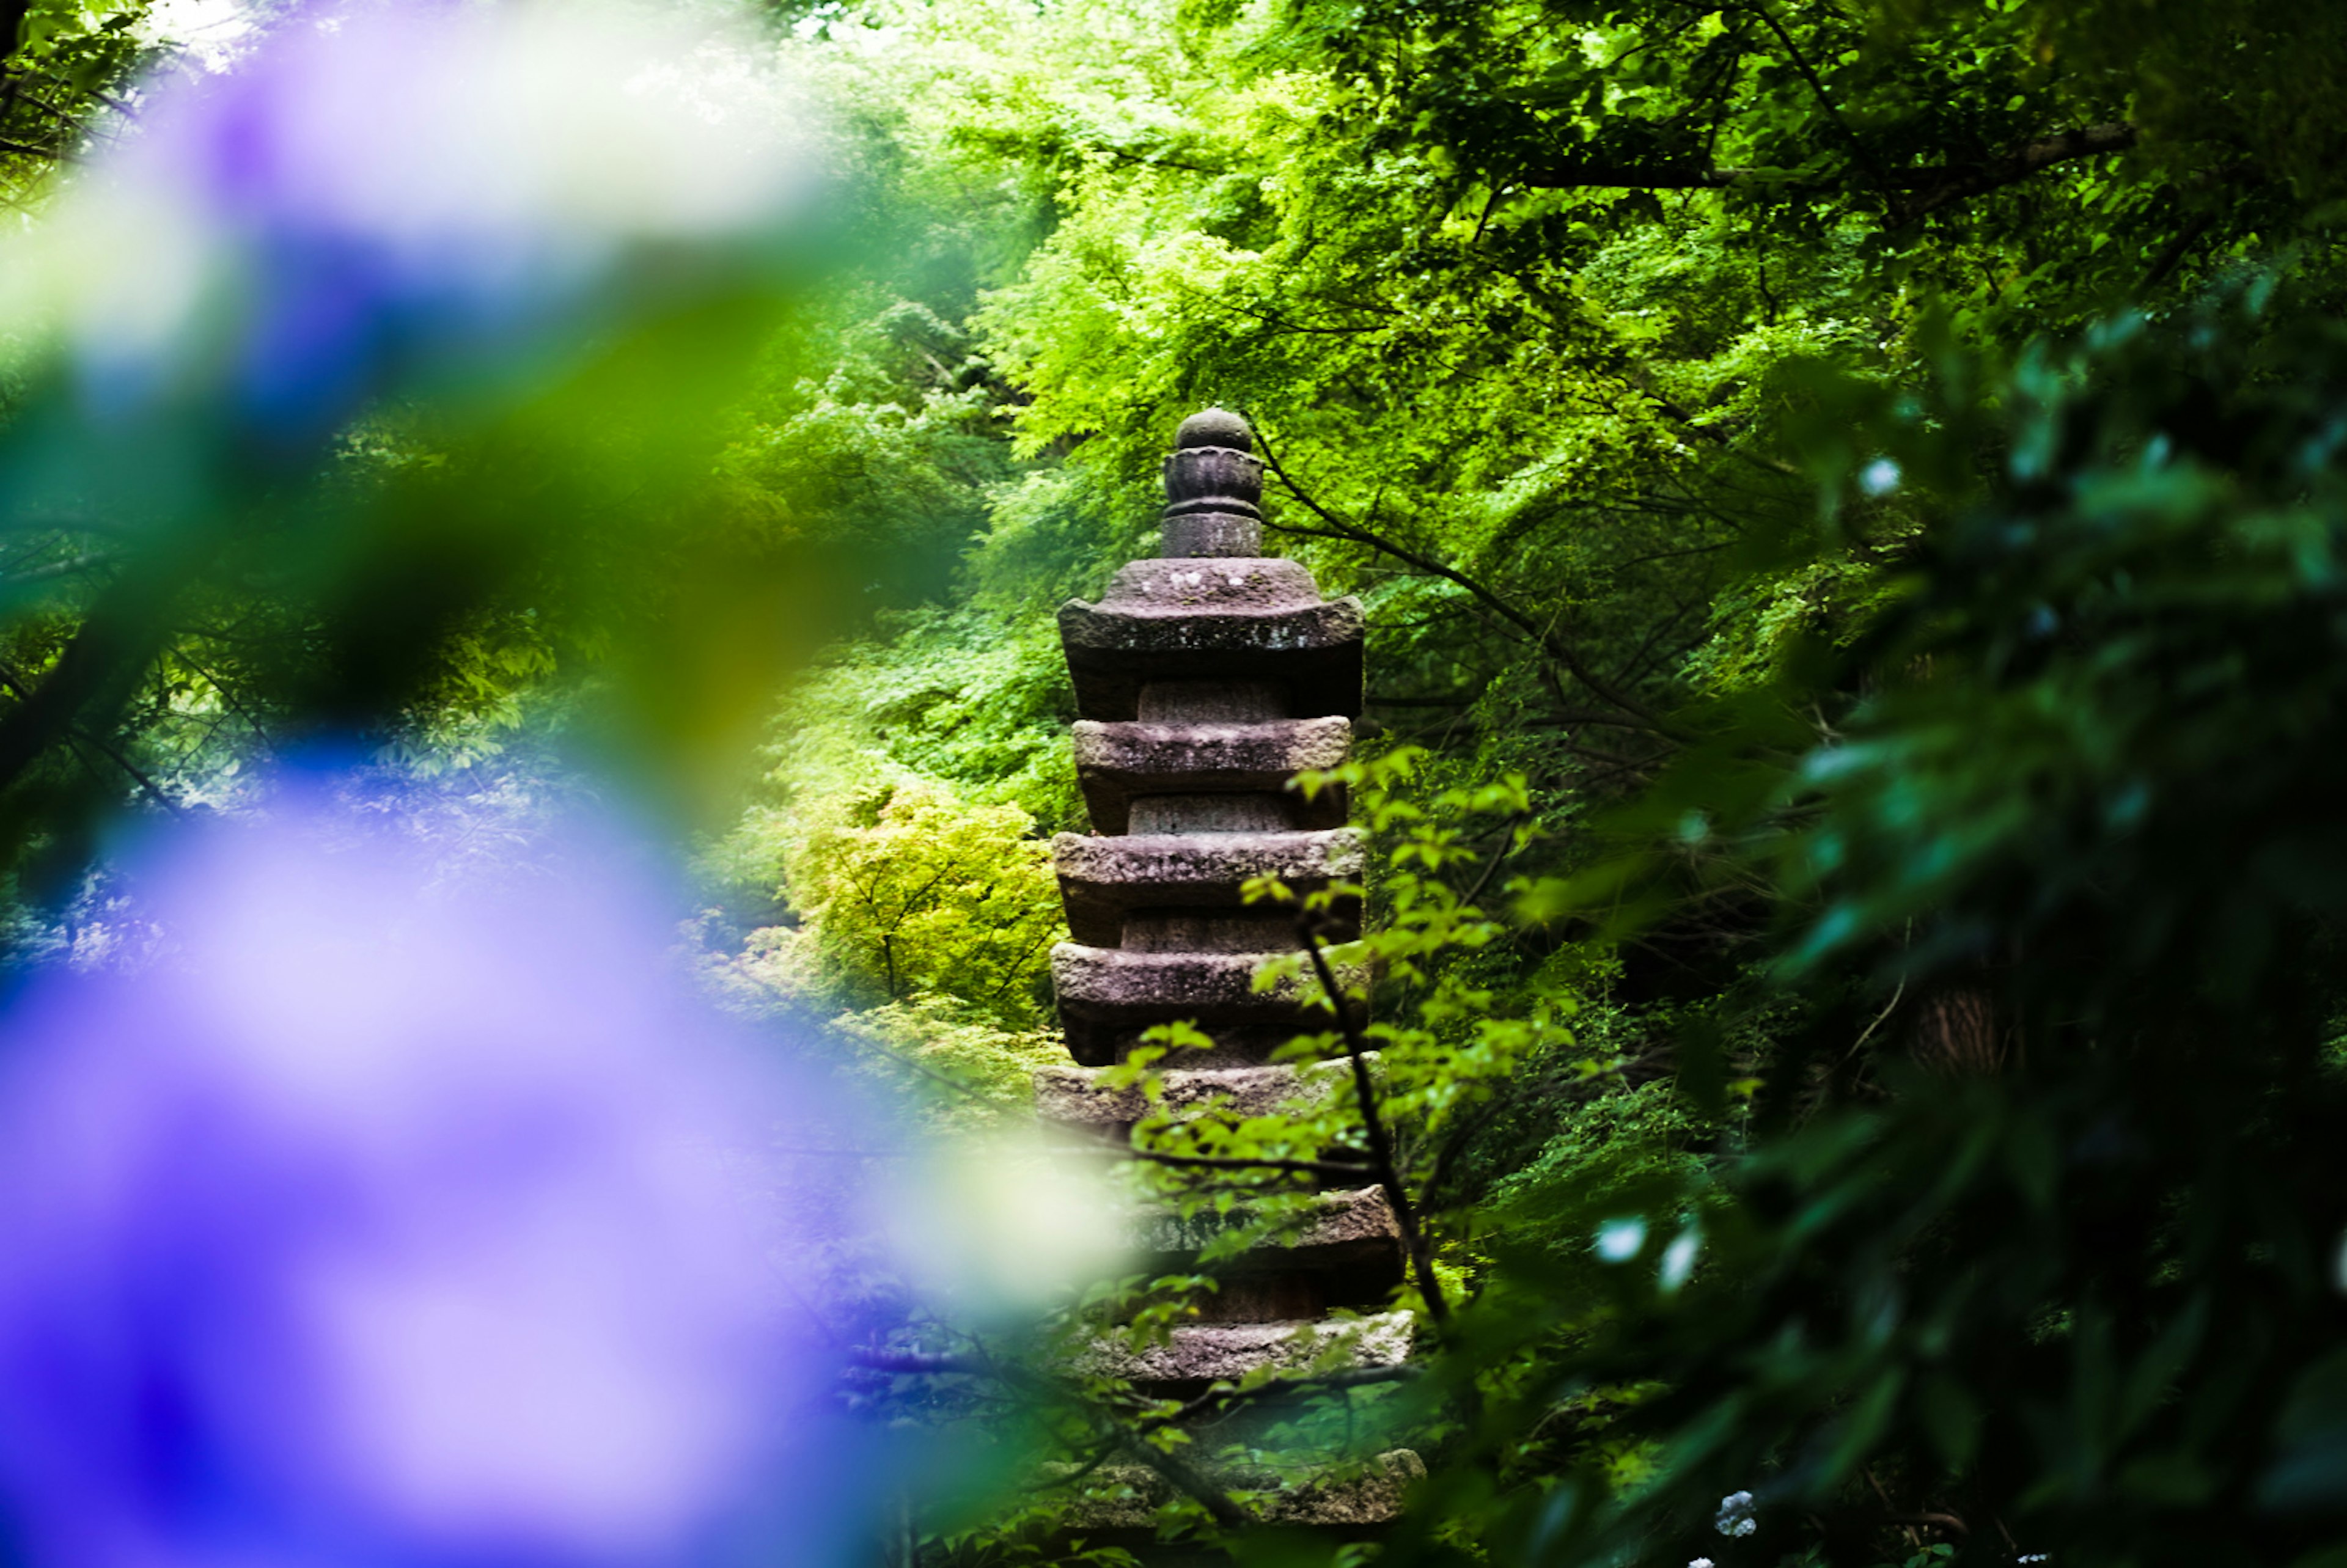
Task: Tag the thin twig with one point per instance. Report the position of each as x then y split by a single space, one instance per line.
1556 647
58 568
21 687
1332 1169
1944 1520
1215 1399
1889 1008
1493 866
1816 85
1189 1479
1381 1152
1184 1476
2178 248
1915 1541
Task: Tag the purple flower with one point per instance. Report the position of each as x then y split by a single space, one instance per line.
398 1218
394 196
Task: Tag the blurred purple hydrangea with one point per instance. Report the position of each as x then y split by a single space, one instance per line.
388 197
393 1218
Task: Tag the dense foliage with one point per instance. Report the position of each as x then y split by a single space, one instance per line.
1846 504
1849 499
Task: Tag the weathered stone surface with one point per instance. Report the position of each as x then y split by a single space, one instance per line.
1074 1096
1116 762
1344 1229
1205 1351
1109 978
1214 487
1208 931
1290 1295
1180 869
1213 479
1207 534
1121 1497
1209 814
1259 620
1210 702
1239 1044
1373 1499
1102 879
1170 590
1215 426
1104 992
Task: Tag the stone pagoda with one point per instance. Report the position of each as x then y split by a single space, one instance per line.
1205 679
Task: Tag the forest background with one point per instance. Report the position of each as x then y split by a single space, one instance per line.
1847 498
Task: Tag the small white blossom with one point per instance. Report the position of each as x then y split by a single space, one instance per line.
1618 1241
1735 1515
1678 1259
1700 1563
2025 1557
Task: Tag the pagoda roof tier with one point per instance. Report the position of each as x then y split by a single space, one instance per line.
1252 618
1348 1230
1117 761
1075 1096
1105 879
1123 1500
1202 1352
1105 993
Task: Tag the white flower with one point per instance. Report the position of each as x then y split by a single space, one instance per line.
1618 1241
1735 1515
1678 1259
1700 1563
2027 1557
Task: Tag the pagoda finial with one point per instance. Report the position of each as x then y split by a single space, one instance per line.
1215 427
1213 489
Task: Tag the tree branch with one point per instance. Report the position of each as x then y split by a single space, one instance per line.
119 638
1556 647
1188 1479
1178 1473
1333 1170
57 569
139 776
1579 175
1348 1378
1816 86
26 150
1685 418
1954 185
22 689
1421 1262
1149 159
2173 255
1934 185
1944 1520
